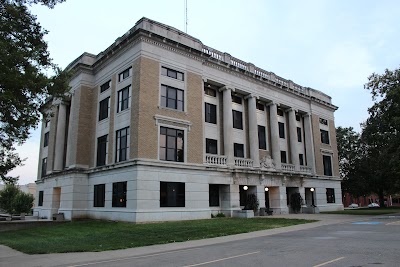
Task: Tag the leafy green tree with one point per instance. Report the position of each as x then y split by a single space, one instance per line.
23 202
7 196
24 85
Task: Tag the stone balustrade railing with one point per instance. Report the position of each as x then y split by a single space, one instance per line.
305 169
241 162
287 167
270 76
215 159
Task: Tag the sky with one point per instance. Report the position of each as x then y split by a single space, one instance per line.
331 46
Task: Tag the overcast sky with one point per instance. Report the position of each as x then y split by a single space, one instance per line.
331 46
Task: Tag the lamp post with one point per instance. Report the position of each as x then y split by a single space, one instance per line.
312 196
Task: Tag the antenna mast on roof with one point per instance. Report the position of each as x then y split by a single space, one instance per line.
186 16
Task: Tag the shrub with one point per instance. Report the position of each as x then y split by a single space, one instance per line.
252 203
295 202
23 202
13 200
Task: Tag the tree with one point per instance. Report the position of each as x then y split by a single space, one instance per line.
24 85
381 135
14 201
23 202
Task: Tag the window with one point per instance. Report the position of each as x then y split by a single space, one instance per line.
209 91
330 195
46 123
301 159
119 194
102 150
103 108
44 166
324 137
238 150
279 112
105 86
211 146
283 157
297 117
327 165
172 194
211 113
260 106
171 144
281 130
262 142
299 139
213 195
40 202
46 139
122 145
323 121
172 73
125 74
236 99
171 97
237 119
123 99
99 195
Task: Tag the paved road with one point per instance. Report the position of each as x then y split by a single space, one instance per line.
333 241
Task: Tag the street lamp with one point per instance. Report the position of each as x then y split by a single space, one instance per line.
266 189
312 196
245 187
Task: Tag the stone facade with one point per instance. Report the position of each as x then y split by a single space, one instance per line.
161 127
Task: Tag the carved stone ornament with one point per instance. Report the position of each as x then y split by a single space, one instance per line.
267 163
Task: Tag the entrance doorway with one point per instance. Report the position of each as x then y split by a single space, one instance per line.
55 205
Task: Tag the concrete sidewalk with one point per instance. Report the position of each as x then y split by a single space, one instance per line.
10 257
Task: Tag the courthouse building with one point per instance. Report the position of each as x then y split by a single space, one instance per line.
161 127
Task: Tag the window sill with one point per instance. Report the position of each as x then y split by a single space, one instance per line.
123 112
172 109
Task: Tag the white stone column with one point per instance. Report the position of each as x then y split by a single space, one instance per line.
308 139
228 126
253 131
276 152
60 137
294 153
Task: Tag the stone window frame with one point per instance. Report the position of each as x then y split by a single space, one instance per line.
123 103
214 195
104 108
98 156
236 149
330 195
179 133
327 153
44 167
299 134
301 159
46 139
125 74
118 148
105 86
167 97
236 123
171 73
281 130
210 115
284 158
99 195
262 143
40 198
179 188
325 138
119 194
210 141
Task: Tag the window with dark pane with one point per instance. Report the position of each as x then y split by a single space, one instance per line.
172 194
103 108
105 86
283 157
237 119
281 127
171 144
238 150
211 146
122 145
123 99
327 161
102 150
324 137
211 113
213 193
99 195
299 138
119 194
262 141
172 97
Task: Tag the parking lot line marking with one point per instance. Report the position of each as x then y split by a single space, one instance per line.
396 222
223 259
327 262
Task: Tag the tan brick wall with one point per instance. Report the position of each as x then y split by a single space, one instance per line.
94 96
319 165
111 141
85 129
149 94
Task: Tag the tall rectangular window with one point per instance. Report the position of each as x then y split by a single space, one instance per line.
105 86
99 195
213 195
301 159
211 146
279 112
46 139
102 150
237 119
172 73
123 99
262 141
210 91
172 194
172 97
44 166
283 157
211 113
40 201
330 195
122 145
125 74
327 161
119 194
103 108
324 137
281 126
299 139
171 144
236 99
260 106
238 150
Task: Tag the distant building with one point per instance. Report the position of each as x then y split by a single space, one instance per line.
161 127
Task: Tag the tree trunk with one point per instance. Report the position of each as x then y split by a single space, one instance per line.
381 198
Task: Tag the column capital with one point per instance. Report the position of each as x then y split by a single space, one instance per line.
273 102
204 79
252 95
223 88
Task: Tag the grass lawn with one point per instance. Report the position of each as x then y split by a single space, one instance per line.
82 236
366 211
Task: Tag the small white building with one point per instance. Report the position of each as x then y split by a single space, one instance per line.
161 127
